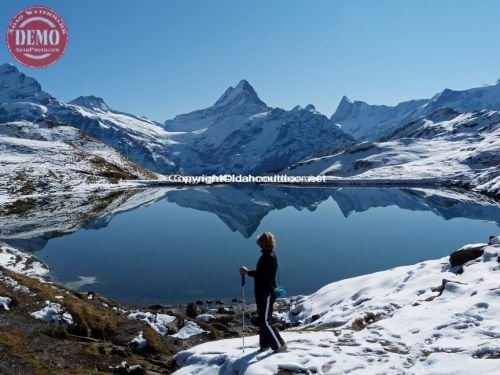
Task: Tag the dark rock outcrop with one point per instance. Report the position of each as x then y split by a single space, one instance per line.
462 256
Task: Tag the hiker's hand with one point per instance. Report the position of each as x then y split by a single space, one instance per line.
243 270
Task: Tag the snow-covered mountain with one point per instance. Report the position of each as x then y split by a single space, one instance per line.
46 158
241 134
371 122
235 106
445 147
139 139
238 134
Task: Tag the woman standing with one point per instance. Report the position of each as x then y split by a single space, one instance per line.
264 286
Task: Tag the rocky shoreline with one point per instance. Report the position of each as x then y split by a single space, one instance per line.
47 328
80 333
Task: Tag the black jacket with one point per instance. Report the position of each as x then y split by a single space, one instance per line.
265 274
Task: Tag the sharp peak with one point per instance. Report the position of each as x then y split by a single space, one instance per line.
308 107
346 99
91 102
244 85
242 90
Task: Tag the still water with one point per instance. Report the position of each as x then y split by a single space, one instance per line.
187 244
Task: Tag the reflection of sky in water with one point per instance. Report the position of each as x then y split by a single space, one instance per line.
167 253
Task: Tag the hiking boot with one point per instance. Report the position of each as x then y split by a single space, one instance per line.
281 349
265 349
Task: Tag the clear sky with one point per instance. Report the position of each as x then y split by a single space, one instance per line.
160 58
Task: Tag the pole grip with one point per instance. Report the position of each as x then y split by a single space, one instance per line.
242 279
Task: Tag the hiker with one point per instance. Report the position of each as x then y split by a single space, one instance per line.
264 291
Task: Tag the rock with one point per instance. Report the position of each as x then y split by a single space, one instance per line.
494 240
462 256
155 307
193 310
205 318
219 327
173 327
230 334
315 317
225 319
225 310
199 302
220 302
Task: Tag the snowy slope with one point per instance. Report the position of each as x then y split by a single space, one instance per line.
399 321
240 134
236 105
445 147
139 139
45 158
371 122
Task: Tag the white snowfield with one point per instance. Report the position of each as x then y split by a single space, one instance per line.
370 122
18 261
399 321
446 147
42 159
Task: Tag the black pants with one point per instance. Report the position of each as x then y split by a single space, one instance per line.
268 335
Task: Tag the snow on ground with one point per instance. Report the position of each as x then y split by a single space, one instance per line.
205 317
139 341
53 313
5 302
44 158
405 320
159 322
463 150
189 329
17 261
162 324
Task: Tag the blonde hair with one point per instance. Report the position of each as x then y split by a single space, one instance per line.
266 241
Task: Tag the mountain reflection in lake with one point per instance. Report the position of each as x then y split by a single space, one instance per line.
168 245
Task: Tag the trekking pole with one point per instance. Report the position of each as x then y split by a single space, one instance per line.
243 309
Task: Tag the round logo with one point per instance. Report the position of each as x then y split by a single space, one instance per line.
37 36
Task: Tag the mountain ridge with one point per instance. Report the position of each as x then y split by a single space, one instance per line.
371 122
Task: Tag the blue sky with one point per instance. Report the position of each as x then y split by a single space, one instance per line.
160 58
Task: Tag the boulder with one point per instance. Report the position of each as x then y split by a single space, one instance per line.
193 310
462 256
494 240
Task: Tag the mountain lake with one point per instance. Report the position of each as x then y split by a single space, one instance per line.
187 244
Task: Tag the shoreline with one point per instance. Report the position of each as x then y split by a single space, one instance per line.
151 339
329 183
123 338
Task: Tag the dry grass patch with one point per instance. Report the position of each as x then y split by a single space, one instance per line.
154 344
91 321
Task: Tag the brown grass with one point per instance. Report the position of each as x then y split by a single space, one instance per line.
91 321
154 344
365 320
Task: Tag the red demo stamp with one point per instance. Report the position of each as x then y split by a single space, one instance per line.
37 36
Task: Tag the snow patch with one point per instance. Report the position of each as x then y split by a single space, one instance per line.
190 329
53 313
5 302
159 322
